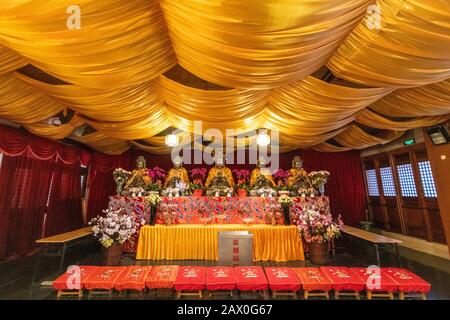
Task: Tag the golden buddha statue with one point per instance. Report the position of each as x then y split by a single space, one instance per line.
139 177
219 178
176 175
298 177
261 178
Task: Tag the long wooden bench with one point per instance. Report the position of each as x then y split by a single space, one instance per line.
375 239
57 245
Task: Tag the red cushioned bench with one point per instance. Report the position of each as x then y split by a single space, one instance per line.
410 285
191 281
160 279
314 282
283 281
219 279
378 283
103 280
72 282
132 278
251 279
345 281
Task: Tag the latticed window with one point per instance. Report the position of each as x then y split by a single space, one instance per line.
372 184
406 177
387 180
426 175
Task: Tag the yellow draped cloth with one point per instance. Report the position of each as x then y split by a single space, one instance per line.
200 242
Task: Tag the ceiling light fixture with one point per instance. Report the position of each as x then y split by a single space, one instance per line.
263 139
171 140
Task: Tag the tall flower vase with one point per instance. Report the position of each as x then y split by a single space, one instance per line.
112 254
152 215
286 215
322 189
318 252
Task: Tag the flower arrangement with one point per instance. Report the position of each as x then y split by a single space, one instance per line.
242 175
198 175
114 227
317 227
285 200
157 173
318 178
281 176
120 174
153 199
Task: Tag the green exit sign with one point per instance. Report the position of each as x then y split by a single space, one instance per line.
409 142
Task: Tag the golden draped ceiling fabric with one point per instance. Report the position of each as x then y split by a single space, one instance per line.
261 52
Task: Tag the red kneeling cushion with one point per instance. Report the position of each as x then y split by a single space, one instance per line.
376 279
282 279
313 279
343 278
251 278
74 278
190 279
162 277
103 278
408 281
133 277
220 278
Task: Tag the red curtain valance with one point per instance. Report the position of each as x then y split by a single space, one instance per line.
14 142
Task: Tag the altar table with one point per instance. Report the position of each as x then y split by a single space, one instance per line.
200 242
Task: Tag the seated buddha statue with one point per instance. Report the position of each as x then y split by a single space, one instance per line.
139 177
176 175
219 178
261 178
298 177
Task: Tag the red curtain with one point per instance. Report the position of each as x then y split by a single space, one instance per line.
24 190
101 184
64 207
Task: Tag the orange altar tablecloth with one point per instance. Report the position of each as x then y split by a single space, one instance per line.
200 242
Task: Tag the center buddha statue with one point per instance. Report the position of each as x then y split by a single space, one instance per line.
219 178
139 178
298 178
176 175
261 178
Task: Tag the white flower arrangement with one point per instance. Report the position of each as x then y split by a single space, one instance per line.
114 227
318 178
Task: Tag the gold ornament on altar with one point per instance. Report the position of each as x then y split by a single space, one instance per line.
298 177
261 178
220 178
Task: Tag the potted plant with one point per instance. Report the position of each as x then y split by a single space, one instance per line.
197 189
318 180
154 200
285 201
242 186
112 231
242 189
318 229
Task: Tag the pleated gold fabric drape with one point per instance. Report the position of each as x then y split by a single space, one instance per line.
199 242
262 53
411 48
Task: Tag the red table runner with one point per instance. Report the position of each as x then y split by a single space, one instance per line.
190 278
162 277
343 278
408 281
376 279
251 278
282 279
103 278
133 278
74 278
313 279
220 278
